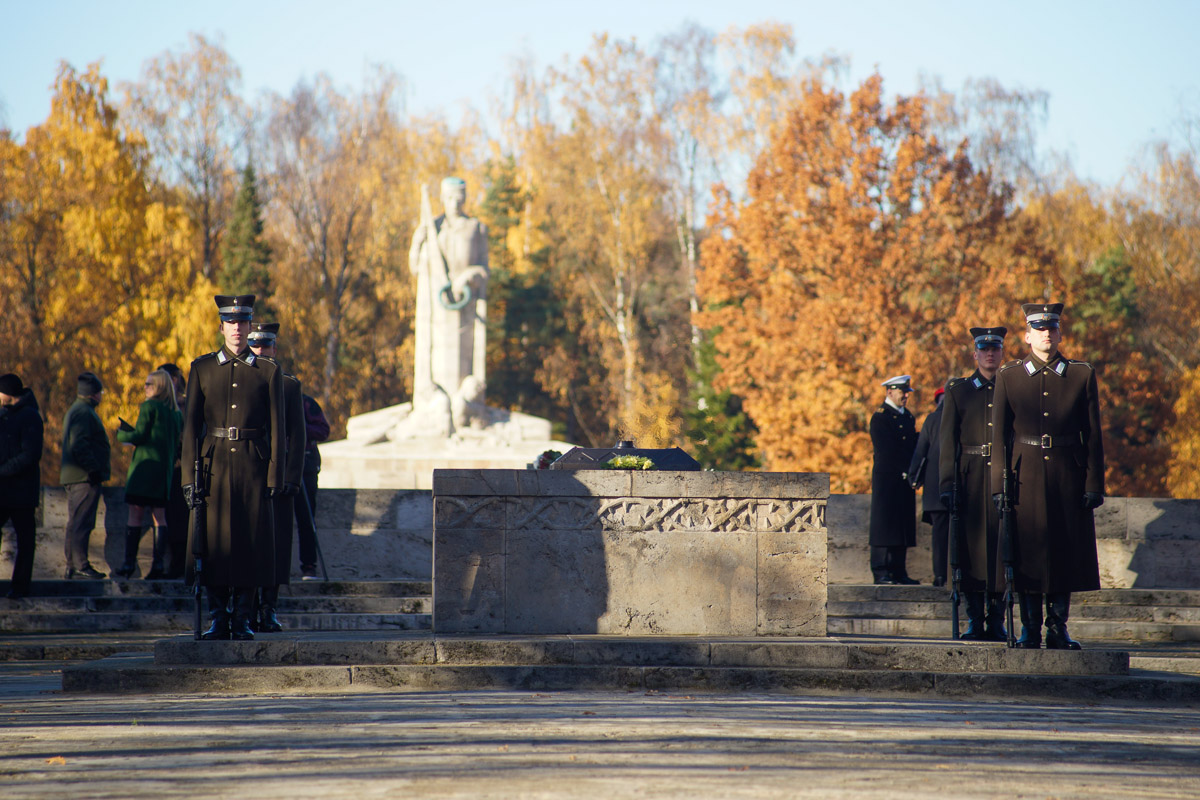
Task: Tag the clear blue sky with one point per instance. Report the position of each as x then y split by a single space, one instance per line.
1119 74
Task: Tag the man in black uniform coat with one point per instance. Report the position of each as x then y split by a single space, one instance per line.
893 501
21 439
1047 425
923 471
264 341
234 423
967 440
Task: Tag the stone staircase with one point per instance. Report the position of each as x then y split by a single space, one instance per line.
166 607
1108 615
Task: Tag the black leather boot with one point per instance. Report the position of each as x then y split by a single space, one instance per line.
218 604
133 537
1031 621
994 630
974 631
1058 609
156 572
243 608
267 621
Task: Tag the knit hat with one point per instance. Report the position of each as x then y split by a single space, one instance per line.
10 385
89 384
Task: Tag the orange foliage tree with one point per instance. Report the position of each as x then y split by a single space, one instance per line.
863 248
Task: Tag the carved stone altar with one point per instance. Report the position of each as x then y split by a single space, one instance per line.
447 424
637 553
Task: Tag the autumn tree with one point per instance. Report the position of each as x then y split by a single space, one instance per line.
864 247
187 106
95 271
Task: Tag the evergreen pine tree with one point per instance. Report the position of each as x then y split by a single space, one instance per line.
245 254
721 434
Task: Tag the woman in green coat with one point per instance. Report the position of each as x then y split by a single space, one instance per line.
148 485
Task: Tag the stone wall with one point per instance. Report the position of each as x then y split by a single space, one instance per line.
619 552
1142 543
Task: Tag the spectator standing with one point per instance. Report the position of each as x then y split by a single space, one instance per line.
177 512
148 484
21 433
85 468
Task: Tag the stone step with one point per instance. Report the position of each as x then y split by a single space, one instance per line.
316 663
312 604
1084 630
101 621
176 588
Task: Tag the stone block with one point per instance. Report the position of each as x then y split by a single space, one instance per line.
538 513
583 483
504 651
468 574
323 651
801 654
1154 519
1112 519
483 482
791 592
641 652
468 512
556 581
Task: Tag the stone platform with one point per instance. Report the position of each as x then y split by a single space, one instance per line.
421 662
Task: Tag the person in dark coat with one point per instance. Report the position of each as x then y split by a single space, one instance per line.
923 471
234 424
1047 433
264 343
21 439
148 483
967 444
893 501
86 465
316 430
177 510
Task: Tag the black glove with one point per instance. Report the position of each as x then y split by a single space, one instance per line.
1092 500
948 499
998 501
193 495
94 478
290 489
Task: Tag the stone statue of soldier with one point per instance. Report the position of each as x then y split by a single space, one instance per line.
449 257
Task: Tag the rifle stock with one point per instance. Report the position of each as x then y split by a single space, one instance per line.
955 537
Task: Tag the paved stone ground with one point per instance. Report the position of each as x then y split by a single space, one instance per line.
578 744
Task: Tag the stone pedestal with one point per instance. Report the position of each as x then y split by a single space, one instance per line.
630 553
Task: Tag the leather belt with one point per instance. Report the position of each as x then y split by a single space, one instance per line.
1046 441
984 450
237 434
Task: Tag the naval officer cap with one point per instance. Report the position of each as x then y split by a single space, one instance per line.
263 334
231 308
1042 316
988 337
901 382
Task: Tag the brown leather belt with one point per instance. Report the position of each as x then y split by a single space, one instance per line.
984 450
237 434
1046 441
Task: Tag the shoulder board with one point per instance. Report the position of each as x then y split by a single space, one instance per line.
1087 364
881 409
205 356
1009 365
287 377
955 382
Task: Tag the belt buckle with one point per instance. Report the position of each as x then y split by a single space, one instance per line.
1047 442
987 450
234 434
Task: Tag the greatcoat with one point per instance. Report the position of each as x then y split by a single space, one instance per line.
244 392
967 435
293 473
893 501
1047 429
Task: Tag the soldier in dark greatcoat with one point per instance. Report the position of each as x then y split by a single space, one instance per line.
966 443
264 344
234 422
893 501
923 471
1047 431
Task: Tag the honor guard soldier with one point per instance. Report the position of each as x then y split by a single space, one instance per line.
965 467
264 343
1047 442
234 428
893 501
923 471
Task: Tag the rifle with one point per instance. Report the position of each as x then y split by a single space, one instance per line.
1007 546
306 518
199 532
955 537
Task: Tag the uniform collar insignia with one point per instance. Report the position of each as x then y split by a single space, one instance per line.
978 383
250 359
1030 367
1059 368
221 357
